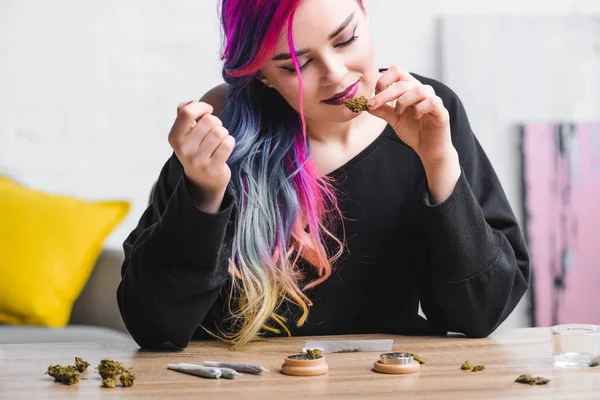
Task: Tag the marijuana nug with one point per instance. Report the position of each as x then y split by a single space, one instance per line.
478 368
530 380
113 371
68 375
357 104
127 379
419 359
109 382
81 364
313 354
109 368
466 366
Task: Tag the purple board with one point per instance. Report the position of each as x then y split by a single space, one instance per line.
561 178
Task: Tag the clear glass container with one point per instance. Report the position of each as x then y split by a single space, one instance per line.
575 345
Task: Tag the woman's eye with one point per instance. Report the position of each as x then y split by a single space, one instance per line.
350 41
302 67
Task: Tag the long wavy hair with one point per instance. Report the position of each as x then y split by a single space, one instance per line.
284 209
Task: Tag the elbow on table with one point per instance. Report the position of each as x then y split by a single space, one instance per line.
479 332
149 339
145 333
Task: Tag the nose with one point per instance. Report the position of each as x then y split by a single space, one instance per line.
334 71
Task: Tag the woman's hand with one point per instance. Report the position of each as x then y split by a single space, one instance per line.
203 146
420 120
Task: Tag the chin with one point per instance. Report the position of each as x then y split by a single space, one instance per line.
339 114
347 115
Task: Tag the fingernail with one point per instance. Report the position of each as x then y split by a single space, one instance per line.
371 103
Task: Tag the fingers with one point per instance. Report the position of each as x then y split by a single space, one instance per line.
187 115
434 106
199 143
211 141
391 93
414 96
206 123
392 75
213 151
393 83
386 112
183 104
397 85
223 151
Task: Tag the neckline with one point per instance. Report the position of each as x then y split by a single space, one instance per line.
362 154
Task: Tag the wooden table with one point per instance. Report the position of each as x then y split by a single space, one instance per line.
520 351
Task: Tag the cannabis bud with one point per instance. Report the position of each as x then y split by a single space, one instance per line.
419 359
357 104
466 366
114 371
109 382
478 368
127 379
81 365
530 380
312 354
109 368
68 374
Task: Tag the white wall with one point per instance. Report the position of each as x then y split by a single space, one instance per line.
88 90
514 69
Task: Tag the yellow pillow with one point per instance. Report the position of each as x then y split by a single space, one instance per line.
48 248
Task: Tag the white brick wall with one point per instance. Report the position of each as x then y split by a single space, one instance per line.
88 90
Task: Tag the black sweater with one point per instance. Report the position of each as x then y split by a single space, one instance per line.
465 260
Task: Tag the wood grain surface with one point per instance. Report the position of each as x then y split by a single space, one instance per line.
351 375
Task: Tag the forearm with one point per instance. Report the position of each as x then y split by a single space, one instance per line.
175 263
478 272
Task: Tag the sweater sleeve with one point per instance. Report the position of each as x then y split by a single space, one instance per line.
479 263
175 263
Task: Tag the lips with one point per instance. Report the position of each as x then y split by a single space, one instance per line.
340 97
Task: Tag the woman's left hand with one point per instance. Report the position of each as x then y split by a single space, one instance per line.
416 114
420 120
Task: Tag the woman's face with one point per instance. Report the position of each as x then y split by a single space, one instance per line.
335 54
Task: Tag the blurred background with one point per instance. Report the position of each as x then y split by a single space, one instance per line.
88 93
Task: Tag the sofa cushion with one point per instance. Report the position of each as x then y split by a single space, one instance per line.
70 334
97 303
48 247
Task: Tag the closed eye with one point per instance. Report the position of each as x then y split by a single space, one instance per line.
350 41
343 44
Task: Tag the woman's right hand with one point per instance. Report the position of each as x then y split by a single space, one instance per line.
203 146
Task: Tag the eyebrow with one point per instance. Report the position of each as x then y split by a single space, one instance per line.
287 56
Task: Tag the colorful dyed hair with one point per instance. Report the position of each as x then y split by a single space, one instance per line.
284 208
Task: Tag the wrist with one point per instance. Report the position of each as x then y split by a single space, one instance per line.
439 158
208 201
442 174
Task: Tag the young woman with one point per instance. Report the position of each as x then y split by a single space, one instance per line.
283 212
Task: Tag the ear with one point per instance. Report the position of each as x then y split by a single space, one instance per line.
263 79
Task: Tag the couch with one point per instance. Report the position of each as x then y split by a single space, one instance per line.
95 316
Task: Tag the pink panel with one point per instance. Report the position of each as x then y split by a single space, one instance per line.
562 204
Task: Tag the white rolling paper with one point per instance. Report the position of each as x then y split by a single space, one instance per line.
349 346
